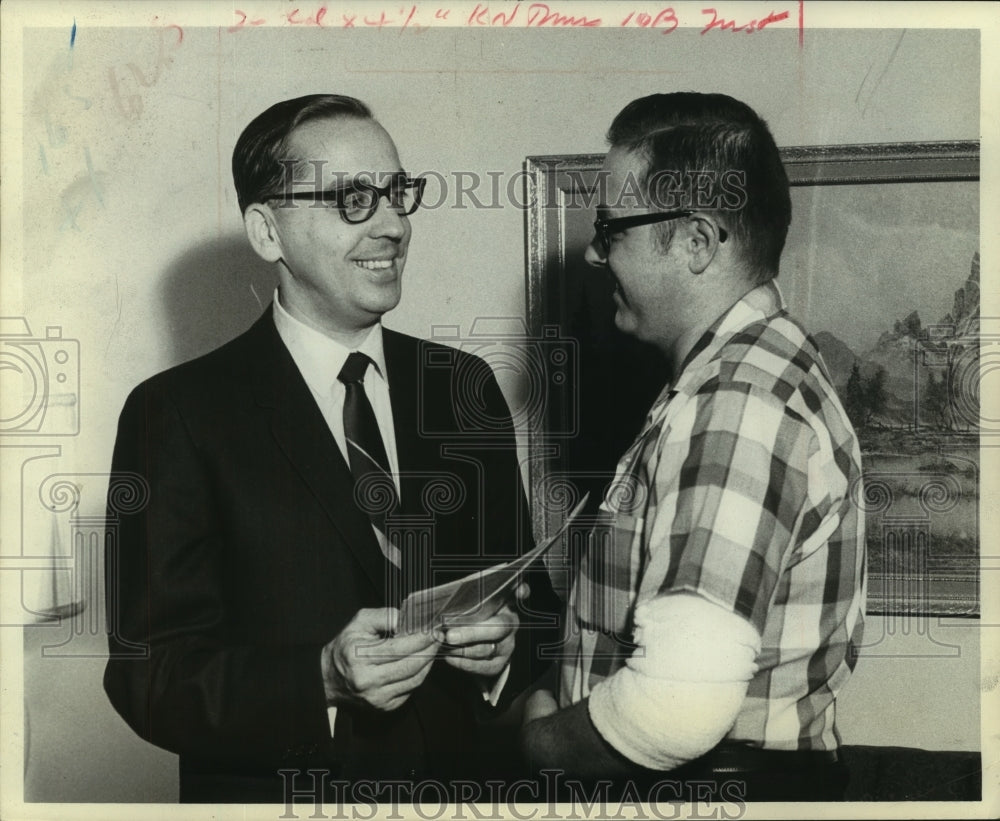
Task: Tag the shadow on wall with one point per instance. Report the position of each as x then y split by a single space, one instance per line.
213 293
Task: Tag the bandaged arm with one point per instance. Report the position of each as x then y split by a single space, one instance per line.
682 688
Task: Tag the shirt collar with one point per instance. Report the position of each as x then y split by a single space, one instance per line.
757 305
318 357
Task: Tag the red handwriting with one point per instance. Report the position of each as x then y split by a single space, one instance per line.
379 21
539 14
257 21
314 19
419 17
177 29
667 18
406 22
318 18
481 16
750 27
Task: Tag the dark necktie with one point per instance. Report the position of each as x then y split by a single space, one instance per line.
365 449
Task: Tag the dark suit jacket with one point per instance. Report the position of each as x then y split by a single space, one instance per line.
252 554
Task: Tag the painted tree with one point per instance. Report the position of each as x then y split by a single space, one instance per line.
854 397
936 402
876 396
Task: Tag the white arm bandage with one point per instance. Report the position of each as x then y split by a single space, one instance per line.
682 689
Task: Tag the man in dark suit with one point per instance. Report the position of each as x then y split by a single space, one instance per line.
303 478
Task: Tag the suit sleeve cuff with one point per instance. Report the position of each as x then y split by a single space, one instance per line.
492 694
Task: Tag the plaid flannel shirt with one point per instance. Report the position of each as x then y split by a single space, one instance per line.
738 488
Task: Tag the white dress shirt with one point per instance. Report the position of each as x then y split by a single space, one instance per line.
319 359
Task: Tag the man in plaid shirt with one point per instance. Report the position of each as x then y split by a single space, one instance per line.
719 608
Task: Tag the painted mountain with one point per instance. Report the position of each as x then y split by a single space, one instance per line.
914 402
917 377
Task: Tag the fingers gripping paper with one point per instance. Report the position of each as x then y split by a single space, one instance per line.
477 596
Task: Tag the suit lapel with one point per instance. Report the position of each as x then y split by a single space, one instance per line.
414 451
302 434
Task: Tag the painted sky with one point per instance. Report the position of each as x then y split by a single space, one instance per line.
859 257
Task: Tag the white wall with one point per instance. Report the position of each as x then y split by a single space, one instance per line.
153 268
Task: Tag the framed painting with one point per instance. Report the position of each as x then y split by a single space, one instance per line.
881 265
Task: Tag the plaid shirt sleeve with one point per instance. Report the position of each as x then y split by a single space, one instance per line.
731 497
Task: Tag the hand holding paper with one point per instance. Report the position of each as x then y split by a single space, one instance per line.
477 597
484 648
367 665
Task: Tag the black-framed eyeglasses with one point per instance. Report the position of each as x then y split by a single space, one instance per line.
358 201
604 228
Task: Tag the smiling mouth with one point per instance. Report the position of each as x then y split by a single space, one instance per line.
617 294
375 264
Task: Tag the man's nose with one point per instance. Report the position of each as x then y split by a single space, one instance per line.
387 221
594 255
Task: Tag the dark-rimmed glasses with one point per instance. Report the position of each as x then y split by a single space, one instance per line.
358 201
605 227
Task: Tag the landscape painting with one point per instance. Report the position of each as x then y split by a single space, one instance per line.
886 278
881 266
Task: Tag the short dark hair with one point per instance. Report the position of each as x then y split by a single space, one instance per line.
714 133
257 169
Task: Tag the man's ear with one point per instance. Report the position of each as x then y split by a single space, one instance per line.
258 220
703 241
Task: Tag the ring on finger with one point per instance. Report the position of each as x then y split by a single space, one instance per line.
493 649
